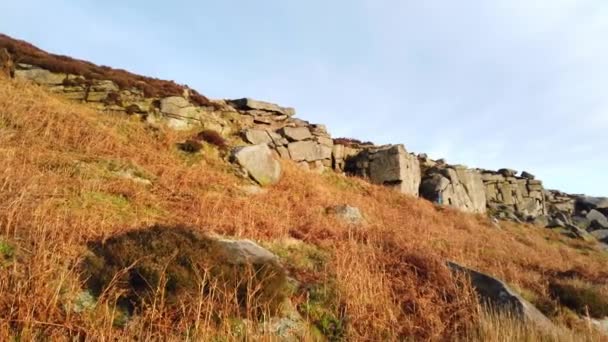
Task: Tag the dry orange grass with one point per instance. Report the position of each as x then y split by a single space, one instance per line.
59 189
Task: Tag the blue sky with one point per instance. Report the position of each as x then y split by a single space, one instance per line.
501 83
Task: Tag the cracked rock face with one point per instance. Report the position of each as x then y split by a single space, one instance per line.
458 187
389 165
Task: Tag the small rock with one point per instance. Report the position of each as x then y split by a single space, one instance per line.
347 213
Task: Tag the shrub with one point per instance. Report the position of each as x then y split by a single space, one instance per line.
176 263
212 137
190 146
581 296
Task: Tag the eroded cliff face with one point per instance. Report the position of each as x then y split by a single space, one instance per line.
501 193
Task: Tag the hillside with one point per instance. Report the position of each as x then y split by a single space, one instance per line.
76 177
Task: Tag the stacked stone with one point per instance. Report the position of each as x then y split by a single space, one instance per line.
560 202
309 145
511 195
175 111
389 165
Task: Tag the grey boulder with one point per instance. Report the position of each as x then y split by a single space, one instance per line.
501 297
259 162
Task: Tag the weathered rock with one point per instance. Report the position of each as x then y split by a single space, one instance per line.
347 213
251 104
308 151
588 203
541 221
508 172
296 133
526 197
501 297
245 252
527 175
458 187
259 162
600 234
40 76
257 136
389 165
174 105
577 233
597 220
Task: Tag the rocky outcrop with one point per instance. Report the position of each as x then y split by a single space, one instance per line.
501 297
259 163
389 165
456 186
308 145
507 193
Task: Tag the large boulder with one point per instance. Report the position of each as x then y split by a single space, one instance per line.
251 104
392 166
259 162
459 187
497 294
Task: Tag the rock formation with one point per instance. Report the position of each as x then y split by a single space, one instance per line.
521 196
389 165
455 186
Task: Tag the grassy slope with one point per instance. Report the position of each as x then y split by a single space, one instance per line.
59 189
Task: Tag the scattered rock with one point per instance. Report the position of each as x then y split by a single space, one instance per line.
347 213
259 162
499 295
